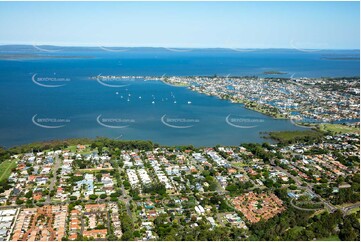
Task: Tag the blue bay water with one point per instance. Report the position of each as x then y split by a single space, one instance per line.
82 100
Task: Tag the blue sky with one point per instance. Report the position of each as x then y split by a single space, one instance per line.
319 25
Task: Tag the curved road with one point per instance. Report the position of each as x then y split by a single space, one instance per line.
303 209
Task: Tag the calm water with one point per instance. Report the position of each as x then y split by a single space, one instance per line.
85 108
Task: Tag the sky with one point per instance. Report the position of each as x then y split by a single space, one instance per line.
304 25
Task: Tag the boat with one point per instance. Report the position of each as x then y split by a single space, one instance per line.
153 102
175 102
189 102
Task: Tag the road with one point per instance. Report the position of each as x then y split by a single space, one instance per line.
53 179
348 208
330 208
303 209
309 189
125 198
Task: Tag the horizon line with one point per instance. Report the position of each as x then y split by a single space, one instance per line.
178 47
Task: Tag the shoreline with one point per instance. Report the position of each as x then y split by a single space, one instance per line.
266 109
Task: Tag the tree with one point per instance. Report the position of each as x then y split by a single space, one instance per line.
29 194
127 235
93 196
112 237
98 176
158 188
350 230
126 184
100 150
136 234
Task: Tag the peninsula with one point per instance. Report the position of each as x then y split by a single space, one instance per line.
306 100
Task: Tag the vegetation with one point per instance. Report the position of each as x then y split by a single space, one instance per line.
347 160
265 109
127 226
330 238
173 229
4 154
156 188
295 224
351 194
274 73
289 137
6 168
122 144
239 187
292 224
259 151
338 128
99 143
47 145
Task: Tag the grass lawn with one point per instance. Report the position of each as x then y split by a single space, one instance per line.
338 128
72 148
5 169
354 210
331 238
293 136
